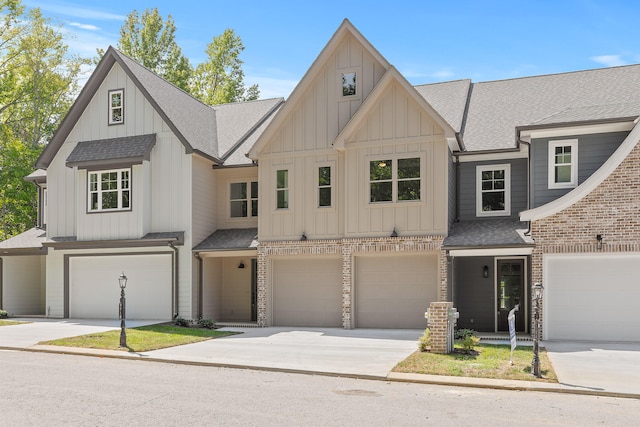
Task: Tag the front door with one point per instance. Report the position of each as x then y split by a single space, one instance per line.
510 288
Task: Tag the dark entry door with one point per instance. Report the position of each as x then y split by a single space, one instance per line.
510 289
254 290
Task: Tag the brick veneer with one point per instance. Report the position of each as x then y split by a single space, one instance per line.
438 326
612 210
347 249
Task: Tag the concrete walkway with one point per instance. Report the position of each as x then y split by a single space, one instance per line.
584 368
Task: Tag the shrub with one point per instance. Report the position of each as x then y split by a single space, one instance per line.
425 340
206 323
469 343
179 321
3 314
461 334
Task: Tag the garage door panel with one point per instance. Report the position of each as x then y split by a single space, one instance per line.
395 291
94 290
592 297
307 292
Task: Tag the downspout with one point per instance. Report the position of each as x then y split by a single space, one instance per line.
457 197
176 286
200 269
520 141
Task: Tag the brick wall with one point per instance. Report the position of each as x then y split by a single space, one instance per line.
347 249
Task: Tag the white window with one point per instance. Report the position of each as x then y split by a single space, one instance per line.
325 187
243 199
563 163
348 83
349 87
116 107
282 189
109 190
394 180
493 190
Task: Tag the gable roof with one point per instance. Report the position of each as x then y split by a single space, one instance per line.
345 29
193 122
392 75
449 99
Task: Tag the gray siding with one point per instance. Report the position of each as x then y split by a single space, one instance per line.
474 297
468 187
593 151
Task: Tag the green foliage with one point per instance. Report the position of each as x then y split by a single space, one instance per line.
179 321
38 81
151 41
3 314
220 79
460 334
206 323
469 342
425 340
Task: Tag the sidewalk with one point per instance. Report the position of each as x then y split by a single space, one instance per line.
358 353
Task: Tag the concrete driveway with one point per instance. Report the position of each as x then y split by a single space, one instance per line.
363 352
591 366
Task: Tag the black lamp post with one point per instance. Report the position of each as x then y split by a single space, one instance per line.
537 298
122 280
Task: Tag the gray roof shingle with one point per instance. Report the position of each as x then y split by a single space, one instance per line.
30 239
487 232
448 98
129 148
230 239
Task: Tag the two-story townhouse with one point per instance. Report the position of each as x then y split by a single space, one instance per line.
129 187
362 200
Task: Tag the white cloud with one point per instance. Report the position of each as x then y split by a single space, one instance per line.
609 60
76 12
87 27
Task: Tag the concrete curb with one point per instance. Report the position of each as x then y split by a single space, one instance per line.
392 376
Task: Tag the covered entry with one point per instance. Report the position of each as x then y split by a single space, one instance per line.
394 291
94 292
591 297
307 291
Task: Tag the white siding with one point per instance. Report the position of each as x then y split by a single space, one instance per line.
22 285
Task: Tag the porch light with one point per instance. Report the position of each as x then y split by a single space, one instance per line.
394 233
485 271
599 239
303 237
241 265
537 299
122 281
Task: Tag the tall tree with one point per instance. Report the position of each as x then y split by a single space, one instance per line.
151 41
220 79
38 80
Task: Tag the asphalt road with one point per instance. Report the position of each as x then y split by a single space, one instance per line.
56 389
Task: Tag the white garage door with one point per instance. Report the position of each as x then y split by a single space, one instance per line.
592 297
307 292
395 291
94 292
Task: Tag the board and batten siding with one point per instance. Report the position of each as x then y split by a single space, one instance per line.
468 190
397 127
304 141
593 151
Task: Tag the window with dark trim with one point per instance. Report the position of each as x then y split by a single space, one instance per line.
324 187
282 189
243 199
394 180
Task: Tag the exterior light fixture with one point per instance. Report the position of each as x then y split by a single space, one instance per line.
241 265
394 233
303 237
537 299
599 239
485 271
122 281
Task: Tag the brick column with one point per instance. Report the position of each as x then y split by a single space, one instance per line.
438 314
262 287
347 267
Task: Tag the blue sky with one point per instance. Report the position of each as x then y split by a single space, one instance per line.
427 41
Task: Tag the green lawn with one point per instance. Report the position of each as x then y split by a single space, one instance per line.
487 361
144 338
10 322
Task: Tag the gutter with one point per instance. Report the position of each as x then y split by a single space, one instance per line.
200 284
176 287
528 144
